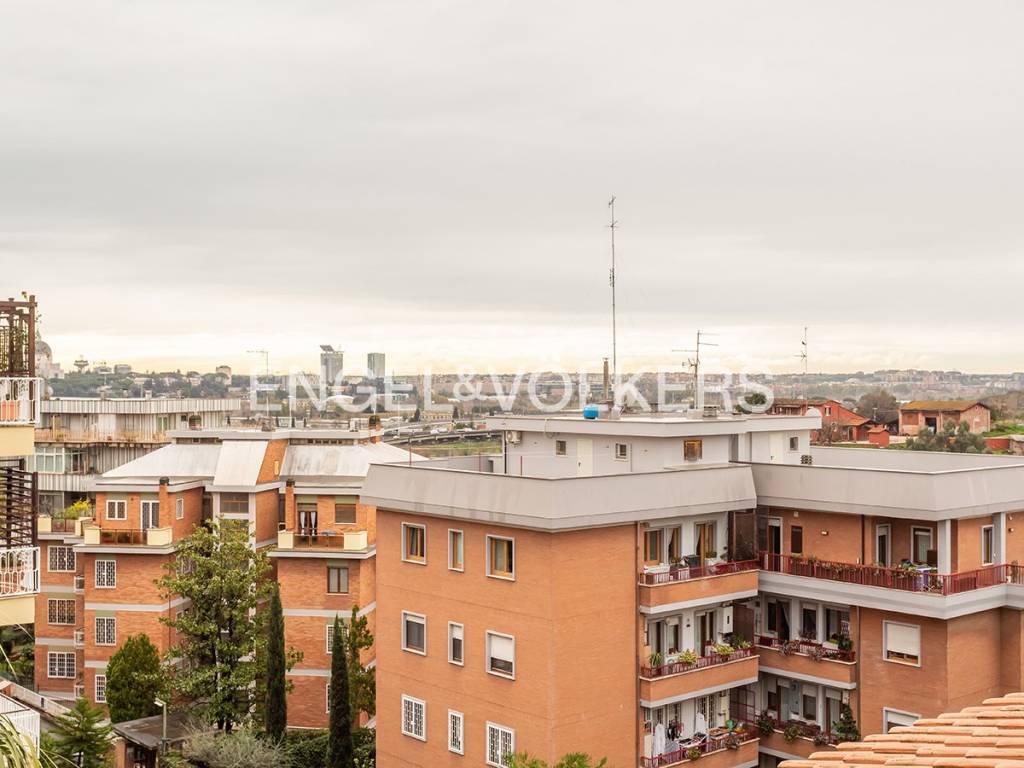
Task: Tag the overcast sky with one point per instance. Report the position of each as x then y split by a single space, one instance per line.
183 181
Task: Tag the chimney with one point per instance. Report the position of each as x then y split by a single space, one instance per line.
604 386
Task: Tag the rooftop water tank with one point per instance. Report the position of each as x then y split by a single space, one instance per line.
591 411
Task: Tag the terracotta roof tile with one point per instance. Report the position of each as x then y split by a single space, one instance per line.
987 736
940 405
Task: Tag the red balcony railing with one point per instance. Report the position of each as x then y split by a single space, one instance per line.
711 660
688 572
732 740
810 648
905 579
802 730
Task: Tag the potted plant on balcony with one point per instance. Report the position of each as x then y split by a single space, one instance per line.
791 732
693 753
820 738
710 556
654 661
845 729
723 649
789 647
765 723
732 741
816 652
689 656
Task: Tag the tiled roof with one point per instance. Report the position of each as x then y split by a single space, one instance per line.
940 405
986 736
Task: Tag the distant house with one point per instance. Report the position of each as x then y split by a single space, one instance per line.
852 426
933 414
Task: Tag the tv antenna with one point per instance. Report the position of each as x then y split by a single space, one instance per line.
611 281
803 357
694 363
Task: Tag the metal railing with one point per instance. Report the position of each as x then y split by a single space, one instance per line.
703 662
58 435
25 720
905 579
807 647
319 541
803 730
688 572
733 740
19 571
19 399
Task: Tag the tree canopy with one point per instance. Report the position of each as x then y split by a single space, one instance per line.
951 438
878 405
134 680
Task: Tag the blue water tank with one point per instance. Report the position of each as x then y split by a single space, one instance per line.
591 411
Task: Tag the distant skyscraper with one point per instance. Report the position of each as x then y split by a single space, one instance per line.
331 363
375 365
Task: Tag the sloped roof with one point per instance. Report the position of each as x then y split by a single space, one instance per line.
332 461
176 461
940 405
987 736
239 462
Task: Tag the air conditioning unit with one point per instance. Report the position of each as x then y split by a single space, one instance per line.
513 437
807 459
710 412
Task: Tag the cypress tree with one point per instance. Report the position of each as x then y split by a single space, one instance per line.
276 710
134 679
339 753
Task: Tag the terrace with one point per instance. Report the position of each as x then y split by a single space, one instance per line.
678 677
147 537
19 571
19 400
349 541
738 747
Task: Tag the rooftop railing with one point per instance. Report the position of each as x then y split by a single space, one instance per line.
19 571
909 579
57 435
807 647
682 572
703 662
19 399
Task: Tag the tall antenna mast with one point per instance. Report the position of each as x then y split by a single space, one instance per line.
803 357
694 363
611 281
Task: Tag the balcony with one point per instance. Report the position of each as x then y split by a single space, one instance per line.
802 657
19 571
67 526
88 436
721 751
149 537
25 720
795 737
681 583
351 541
715 670
19 400
903 579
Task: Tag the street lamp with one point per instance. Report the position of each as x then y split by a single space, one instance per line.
163 741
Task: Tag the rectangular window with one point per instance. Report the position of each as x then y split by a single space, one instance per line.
414 718
179 509
101 689
652 547
796 539
337 579
559 447
922 542
329 632
455 643
988 549
501 745
344 513
60 611
149 513
106 574
234 503
117 509
902 642
501 654
892 718
621 451
414 543
456 550
106 630
692 450
61 559
414 633
455 726
60 664
810 703
501 558
794 443
809 623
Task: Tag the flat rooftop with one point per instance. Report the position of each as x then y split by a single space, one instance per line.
655 424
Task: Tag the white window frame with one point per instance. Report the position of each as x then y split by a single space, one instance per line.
406 615
96 574
327 704
51 608
451 659
886 711
500 763
462 539
405 541
146 510
487 654
97 632
414 702
120 506
624 454
53 552
991 530
453 718
512 576
53 665
885 643
96 689
179 508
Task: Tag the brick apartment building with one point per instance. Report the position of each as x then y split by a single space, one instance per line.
298 491
933 414
549 599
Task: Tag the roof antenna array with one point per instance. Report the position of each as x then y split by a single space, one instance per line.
694 363
803 357
611 281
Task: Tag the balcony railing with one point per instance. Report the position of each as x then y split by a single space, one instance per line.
905 579
682 572
732 740
153 537
348 540
679 667
57 435
19 571
56 524
25 720
802 730
19 399
806 647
